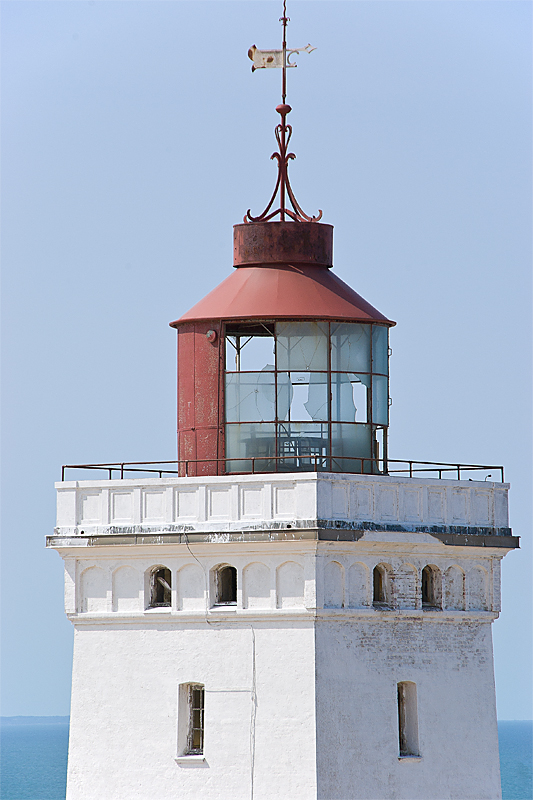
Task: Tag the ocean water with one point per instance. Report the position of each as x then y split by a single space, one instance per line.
516 757
34 758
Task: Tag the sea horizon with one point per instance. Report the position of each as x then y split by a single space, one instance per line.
35 748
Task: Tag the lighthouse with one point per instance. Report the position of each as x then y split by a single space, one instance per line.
284 612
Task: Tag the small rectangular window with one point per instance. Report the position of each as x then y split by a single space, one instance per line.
407 719
191 719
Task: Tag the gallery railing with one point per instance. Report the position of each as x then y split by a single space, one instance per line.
308 463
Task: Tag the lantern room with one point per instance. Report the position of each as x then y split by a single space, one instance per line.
283 367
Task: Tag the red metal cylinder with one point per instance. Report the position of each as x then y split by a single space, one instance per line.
200 372
309 243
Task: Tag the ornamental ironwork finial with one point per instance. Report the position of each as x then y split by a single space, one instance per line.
263 59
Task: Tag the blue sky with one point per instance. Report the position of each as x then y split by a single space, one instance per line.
134 136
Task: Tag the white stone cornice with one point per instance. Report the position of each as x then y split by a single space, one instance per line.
246 616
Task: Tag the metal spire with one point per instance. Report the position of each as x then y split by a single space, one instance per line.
281 58
284 19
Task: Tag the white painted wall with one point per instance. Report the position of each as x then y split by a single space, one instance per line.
327 662
254 502
358 669
123 741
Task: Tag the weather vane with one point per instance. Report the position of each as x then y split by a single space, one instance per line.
264 59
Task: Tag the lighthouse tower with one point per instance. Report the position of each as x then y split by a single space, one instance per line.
284 613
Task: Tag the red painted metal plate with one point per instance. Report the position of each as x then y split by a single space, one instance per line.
283 291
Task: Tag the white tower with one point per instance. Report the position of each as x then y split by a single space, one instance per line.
284 613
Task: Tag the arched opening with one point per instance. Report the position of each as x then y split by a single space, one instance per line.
160 587
431 587
381 585
226 586
379 592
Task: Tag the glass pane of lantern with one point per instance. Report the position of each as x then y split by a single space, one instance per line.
250 396
285 395
299 382
246 441
349 397
350 347
379 439
302 345
380 349
380 400
350 446
302 445
309 396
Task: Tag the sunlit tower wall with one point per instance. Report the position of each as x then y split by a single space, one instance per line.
284 612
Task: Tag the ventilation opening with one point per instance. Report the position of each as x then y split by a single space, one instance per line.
379 591
381 586
431 587
407 719
160 588
226 586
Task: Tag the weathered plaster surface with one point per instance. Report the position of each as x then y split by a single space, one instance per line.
252 502
358 669
301 673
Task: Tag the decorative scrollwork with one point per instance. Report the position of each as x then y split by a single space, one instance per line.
283 133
